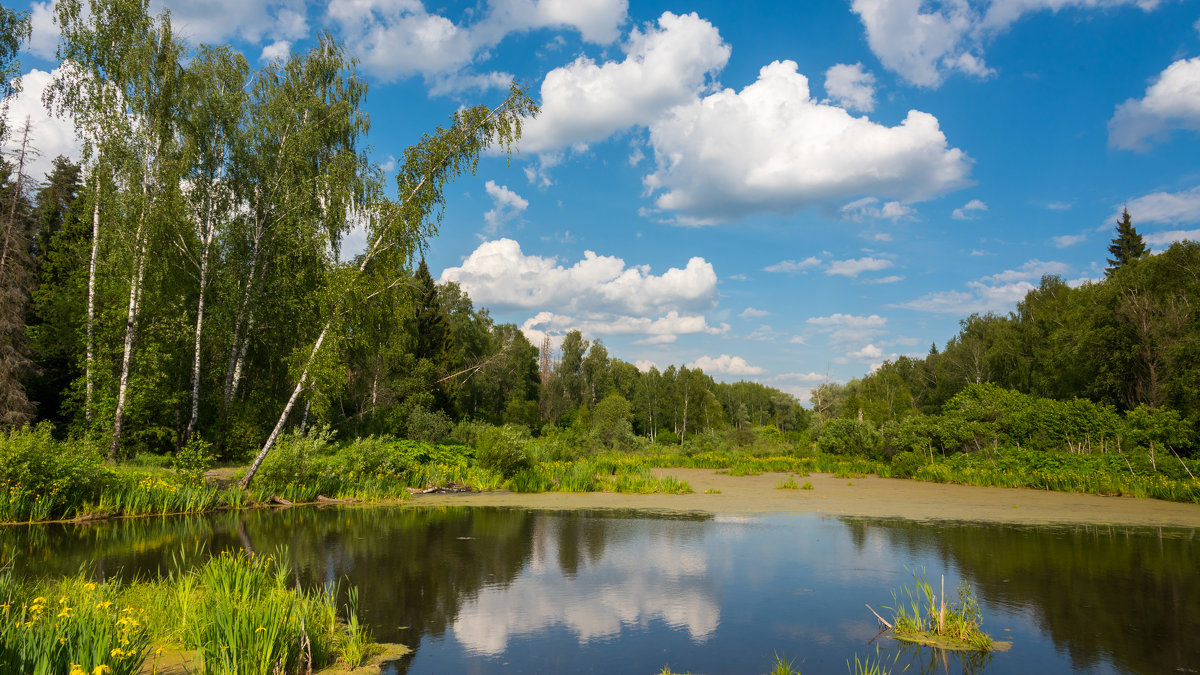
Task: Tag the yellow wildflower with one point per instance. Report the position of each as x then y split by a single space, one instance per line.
101 670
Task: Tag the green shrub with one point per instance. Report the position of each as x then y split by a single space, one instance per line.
193 460
297 457
502 449
851 437
432 426
905 464
666 437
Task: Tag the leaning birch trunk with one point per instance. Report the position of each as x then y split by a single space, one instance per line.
516 105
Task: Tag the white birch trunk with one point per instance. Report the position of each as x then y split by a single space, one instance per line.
89 366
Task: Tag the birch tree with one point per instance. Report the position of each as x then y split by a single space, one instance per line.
214 116
397 228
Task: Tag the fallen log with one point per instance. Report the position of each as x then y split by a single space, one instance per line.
435 489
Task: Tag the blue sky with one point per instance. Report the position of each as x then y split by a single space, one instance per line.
775 191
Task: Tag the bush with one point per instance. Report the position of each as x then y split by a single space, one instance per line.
851 437
905 464
32 458
193 460
297 457
666 437
503 450
432 426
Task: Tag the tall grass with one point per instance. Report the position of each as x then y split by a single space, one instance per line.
68 627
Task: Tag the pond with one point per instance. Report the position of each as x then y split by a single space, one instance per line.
493 590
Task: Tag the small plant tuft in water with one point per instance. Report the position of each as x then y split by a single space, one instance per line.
712 491
928 619
807 486
783 666
789 484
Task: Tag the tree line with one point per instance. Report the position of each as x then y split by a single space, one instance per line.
1129 342
187 276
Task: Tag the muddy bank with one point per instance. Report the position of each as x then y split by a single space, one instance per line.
870 496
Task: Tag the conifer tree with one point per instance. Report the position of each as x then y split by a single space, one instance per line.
1126 247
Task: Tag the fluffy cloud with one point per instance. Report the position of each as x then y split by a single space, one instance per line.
1066 240
993 293
399 38
968 210
772 148
752 313
50 136
1172 102
857 321
1162 240
497 273
663 67
43 38
848 328
216 21
852 87
506 205
792 266
868 208
926 40
856 266
1034 269
726 364
662 330
868 353
1168 208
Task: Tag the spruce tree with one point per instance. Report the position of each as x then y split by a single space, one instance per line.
1126 247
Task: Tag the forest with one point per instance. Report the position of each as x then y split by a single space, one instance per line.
187 278
1107 364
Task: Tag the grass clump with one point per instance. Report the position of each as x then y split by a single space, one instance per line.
925 618
789 484
807 486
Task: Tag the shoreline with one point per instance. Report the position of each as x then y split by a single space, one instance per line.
868 496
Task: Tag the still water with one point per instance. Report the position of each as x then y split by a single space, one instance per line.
488 590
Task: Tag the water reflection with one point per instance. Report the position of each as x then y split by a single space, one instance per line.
1102 594
483 590
651 572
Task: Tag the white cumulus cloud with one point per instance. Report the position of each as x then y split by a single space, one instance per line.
751 313
506 205
924 41
726 364
869 208
664 66
400 38
998 292
772 148
969 210
498 273
792 266
51 136
1172 102
856 266
1168 208
851 86
1065 240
